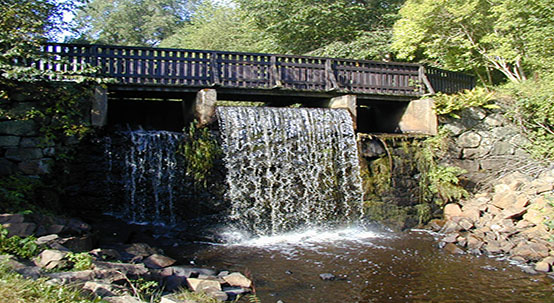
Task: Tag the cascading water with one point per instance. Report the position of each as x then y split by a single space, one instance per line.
289 168
149 176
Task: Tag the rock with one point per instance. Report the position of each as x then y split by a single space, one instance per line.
11 262
474 242
238 279
71 277
513 212
199 285
20 229
35 167
134 270
170 299
451 227
125 299
50 259
44 240
11 218
462 241
549 260
327 277
503 197
472 214
105 254
452 210
502 149
534 216
450 238
77 244
216 294
523 224
158 261
142 250
494 120
235 291
9 141
453 249
174 282
55 229
454 127
465 223
23 154
78 226
493 247
31 272
436 224
7 167
543 184
530 251
468 140
542 266
18 128
99 289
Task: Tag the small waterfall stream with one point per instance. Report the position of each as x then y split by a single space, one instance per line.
148 174
289 168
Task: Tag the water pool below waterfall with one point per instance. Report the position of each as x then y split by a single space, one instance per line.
368 267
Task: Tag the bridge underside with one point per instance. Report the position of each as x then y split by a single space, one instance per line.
171 108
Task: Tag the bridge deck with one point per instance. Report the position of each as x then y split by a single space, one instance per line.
164 69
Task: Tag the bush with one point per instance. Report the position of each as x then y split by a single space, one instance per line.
17 246
530 105
451 104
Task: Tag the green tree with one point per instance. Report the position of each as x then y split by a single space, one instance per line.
483 35
131 22
217 26
359 29
24 24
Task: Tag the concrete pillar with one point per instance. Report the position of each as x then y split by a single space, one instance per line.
204 106
99 109
419 117
347 101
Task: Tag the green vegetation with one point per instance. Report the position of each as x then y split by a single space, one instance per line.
80 261
511 37
17 246
201 150
16 289
16 193
452 104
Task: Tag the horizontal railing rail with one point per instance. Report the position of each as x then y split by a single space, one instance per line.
202 68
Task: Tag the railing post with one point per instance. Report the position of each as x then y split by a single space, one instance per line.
214 65
423 78
274 76
330 79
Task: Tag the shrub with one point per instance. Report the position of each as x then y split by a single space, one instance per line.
450 104
20 247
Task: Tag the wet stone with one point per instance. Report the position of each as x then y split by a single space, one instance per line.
327 277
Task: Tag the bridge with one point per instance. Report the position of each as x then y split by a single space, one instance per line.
165 74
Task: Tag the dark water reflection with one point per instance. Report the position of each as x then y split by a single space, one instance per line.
405 267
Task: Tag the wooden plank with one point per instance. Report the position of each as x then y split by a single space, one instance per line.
214 64
330 79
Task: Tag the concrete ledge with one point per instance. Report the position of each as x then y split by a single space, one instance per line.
419 118
204 106
347 101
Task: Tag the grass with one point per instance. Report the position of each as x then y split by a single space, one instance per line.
16 289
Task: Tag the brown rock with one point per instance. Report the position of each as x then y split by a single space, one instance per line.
158 261
465 224
522 224
20 229
543 184
46 239
78 244
140 250
471 213
50 259
452 210
450 238
126 268
504 198
436 224
71 277
474 242
493 247
99 289
199 285
125 299
531 251
451 227
238 279
542 266
521 201
549 260
462 241
453 249
513 212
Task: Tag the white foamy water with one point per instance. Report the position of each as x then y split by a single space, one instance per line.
310 238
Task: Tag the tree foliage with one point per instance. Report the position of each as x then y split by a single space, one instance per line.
131 22
503 35
24 24
217 26
358 29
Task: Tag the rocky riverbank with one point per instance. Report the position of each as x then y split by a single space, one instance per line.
119 274
511 209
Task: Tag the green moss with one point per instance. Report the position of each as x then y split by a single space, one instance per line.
200 149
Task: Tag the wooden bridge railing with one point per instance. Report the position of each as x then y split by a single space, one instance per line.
198 68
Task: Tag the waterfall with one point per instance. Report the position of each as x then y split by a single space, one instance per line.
148 174
290 167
